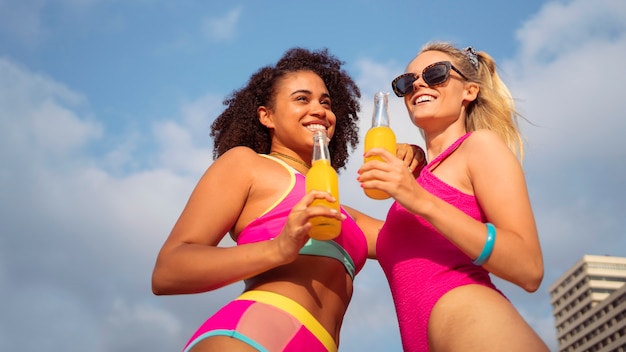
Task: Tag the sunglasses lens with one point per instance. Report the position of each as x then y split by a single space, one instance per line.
433 75
436 74
404 84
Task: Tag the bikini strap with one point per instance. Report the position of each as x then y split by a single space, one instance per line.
449 150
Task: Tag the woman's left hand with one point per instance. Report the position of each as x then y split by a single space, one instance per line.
391 175
412 156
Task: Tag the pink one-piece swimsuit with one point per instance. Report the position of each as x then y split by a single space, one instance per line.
420 264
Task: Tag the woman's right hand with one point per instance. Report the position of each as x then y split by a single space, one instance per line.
390 175
295 233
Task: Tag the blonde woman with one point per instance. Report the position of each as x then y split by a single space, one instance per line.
467 215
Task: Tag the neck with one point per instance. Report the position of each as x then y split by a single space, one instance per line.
286 157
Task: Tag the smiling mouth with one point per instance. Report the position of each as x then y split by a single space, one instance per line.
424 99
316 127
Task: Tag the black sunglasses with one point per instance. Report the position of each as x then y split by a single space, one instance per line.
433 75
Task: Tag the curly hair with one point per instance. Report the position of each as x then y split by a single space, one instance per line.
238 124
494 107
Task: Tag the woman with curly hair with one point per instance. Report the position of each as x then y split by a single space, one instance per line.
297 289
467 215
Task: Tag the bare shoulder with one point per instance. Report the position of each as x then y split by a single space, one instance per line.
484 139
239 155
238 160
248 163
233 167
486 144
487 153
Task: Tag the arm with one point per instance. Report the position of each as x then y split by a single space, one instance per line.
500 187
370 227
191 262
491 171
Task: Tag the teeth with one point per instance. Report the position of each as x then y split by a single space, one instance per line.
424 98
316 127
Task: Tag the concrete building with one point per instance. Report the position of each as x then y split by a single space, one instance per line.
589 305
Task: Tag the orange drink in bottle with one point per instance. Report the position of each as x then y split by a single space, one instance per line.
380 135
323 177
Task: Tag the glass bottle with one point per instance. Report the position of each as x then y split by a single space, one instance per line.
380 135
323 177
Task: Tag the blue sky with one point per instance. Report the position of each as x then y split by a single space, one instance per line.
105 108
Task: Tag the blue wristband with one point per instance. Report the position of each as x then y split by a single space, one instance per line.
488 248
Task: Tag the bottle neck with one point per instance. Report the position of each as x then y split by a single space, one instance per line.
380 116
320 147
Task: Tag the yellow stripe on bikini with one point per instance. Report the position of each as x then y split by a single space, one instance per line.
296 310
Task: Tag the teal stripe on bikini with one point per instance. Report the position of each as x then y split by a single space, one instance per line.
230 333
330 249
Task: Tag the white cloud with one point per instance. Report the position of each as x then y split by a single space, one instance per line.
80 232
55 313
39 118
78 240
222 28
138 323
574 151
562 27
575 96
568 80
185 142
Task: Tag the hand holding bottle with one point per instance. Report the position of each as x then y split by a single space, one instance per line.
380 135
296 231
323 177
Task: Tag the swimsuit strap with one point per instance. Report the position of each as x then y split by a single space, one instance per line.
292 182
449 150
291 169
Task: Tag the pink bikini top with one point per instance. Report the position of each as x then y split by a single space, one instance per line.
350 247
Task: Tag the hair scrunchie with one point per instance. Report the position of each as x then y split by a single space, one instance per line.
472 56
